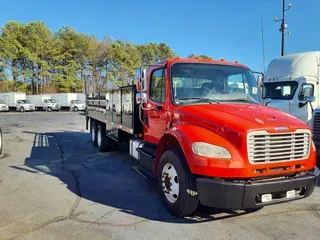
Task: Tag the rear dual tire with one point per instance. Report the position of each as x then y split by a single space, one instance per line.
99 138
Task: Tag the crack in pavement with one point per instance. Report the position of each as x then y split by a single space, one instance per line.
72 215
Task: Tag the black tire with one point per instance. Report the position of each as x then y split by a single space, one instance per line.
1 141
49 109
93 132
185 204
22 109
75 109
103 141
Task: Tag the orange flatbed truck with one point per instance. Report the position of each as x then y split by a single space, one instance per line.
200 129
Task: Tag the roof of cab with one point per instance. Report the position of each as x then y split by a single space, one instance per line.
201 60
293 65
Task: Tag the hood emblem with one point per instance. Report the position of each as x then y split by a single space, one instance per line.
281 129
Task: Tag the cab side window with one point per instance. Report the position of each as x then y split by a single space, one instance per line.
157 86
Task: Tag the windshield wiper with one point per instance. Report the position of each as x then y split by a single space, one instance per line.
244 100
200 99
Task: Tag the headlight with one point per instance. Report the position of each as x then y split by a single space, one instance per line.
209 150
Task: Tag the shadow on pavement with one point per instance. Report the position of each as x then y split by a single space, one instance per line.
104 178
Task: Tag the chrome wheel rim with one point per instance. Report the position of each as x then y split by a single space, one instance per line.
170 182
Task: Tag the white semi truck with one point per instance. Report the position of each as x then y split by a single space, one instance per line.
291 84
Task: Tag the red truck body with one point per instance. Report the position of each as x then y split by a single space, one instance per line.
233 152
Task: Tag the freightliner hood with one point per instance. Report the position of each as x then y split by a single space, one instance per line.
234 121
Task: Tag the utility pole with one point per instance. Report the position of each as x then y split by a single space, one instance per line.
283 26
263 55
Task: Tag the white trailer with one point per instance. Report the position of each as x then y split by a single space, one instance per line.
291 84
81 97
11 98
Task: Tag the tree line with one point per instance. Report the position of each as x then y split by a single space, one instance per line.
37 60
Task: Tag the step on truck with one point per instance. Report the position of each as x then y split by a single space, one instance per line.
204 142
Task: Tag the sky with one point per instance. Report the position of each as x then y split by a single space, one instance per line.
228 29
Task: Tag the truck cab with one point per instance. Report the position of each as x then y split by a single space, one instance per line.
291 84
77 105
51 105
3 106
24 105
200 129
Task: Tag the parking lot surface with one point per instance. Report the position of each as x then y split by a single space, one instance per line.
55 185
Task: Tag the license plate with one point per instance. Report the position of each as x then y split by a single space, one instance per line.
291 193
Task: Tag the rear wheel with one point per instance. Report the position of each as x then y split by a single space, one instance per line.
176 184
93 132
103 142
1 141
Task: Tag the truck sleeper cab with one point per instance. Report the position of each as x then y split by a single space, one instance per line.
205 142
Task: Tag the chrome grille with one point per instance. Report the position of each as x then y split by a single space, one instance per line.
269 147
316 126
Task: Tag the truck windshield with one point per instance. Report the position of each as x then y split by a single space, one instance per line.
25 101
51 101
280 90
202 82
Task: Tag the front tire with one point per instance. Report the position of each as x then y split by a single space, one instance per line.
176 184
49 109
22 109
75 109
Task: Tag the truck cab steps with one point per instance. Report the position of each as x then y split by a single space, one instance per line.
144 153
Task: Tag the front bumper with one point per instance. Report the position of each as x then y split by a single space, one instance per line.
247 195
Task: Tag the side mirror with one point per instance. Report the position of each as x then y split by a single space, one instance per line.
267 101
310 98
307 92
141 75
143 79
138 98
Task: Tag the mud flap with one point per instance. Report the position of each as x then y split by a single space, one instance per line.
87 121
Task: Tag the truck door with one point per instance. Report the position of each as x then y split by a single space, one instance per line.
298 108
155 109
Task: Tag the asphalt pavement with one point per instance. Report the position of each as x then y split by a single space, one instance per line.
55 185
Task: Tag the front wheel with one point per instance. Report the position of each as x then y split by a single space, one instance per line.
176 184
22 109
49 109
75 109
